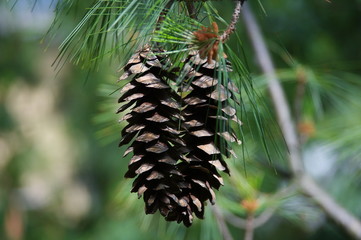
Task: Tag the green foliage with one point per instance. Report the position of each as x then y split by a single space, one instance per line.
108 29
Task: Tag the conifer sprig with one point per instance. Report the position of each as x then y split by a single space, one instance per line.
108 28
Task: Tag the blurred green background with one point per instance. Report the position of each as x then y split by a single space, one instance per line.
61 172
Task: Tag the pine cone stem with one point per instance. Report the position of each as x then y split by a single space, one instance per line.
163 14
191 10
232 26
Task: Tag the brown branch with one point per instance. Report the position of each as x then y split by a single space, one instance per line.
191 10
350 223
163 14
232 26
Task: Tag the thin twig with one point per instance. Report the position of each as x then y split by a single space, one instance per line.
249 227
257 221
163 14
351 224
299 99
191 10
251 223
299 96
232 25
221 223
264 216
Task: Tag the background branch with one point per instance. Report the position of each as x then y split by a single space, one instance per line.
276 91
221 223
249 227
257 222
351 224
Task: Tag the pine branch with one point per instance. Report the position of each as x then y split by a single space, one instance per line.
232 26
107 29
350 223
257 222
276 91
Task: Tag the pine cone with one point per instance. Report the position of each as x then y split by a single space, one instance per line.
153 125
208 133
175 169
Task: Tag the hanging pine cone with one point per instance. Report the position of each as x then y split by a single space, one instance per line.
153 125
207 116
175 169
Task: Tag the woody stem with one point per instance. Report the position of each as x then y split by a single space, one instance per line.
163 14
232 25
191 10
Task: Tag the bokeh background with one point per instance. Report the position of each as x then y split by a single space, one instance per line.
61 172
